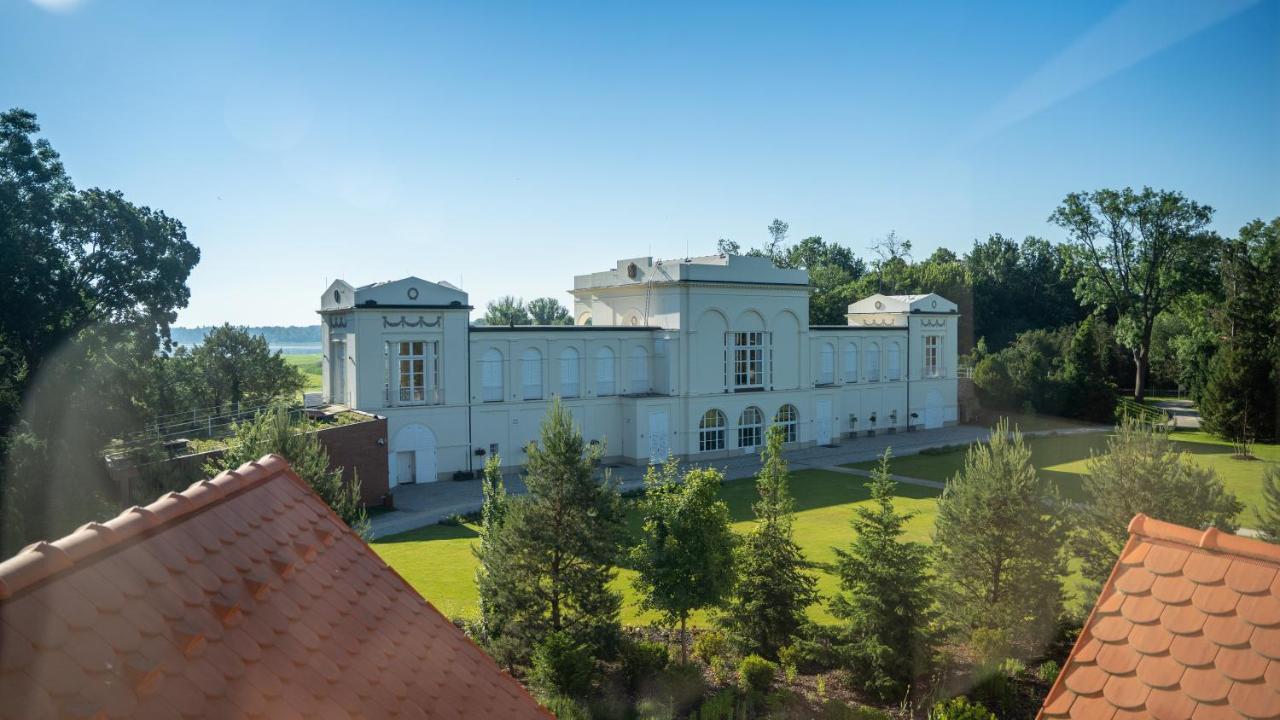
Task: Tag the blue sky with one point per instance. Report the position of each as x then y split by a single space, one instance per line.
508 147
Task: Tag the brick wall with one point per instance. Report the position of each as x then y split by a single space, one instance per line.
356 449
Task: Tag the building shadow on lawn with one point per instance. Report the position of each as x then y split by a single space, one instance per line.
429 533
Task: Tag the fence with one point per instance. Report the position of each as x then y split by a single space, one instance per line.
199 424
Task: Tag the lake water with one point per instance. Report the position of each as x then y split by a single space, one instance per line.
297 348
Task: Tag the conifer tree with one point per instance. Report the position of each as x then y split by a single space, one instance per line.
772 589
1268 517
999 540
1142 472
885 598
684 561
492 570
560 542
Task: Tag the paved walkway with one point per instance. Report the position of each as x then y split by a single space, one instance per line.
429 503
1185 414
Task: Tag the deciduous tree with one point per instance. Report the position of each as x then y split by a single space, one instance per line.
548 311
507 310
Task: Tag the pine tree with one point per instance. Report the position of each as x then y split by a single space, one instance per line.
493 570
885 598
999 539
560 542
684 561
772 589
1268 516
1142 472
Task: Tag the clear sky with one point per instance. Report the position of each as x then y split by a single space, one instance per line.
508 147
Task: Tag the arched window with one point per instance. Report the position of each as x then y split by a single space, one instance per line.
826 364
605 372
872 363
640 370
850 362
750 427
786 419
491 375
711 431
895 362
570 373
531 374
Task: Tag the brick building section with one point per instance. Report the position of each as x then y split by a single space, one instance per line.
360 448
1186 628
243 596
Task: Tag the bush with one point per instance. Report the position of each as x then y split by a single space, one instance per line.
756 673
642 659
720 706
1048 671
960 708
996 688
565 708
562 666
710 645
836 710
678 687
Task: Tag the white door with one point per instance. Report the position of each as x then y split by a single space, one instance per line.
414 448
933 412
658 446
406 467
823 418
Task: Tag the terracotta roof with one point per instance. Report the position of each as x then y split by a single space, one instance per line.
1187 626
243 596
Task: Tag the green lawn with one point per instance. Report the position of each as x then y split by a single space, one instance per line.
1065 458
438 562
310 367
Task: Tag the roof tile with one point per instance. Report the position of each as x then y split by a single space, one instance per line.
1187 627
243 596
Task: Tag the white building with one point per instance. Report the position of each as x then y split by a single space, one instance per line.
695 357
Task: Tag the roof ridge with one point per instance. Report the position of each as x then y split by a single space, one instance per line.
1210 539
44 558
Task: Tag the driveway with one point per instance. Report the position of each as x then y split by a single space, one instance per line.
1185 414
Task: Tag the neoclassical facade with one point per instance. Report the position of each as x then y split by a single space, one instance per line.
695 357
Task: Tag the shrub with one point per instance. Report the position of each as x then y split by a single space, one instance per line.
960 708
1048 671
710 645
756 673
642 659
565 708
562 666
990 645
720 706
996 688
679 687
836 710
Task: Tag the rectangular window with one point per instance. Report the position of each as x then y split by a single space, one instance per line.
932 348
748 360
417 370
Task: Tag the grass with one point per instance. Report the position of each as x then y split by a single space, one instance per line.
309 364
1066 457
438 563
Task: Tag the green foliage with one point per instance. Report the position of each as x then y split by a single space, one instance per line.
642 660
1141 471
558 546
756 673
960 708
996 687
562 665
684 561
549 311
1136 252
836 710
710 644
271 431
1064 372
566 708
1048 671
1020 287
772 589
507 310
1268 517
493 571
721 706
885 595
999 541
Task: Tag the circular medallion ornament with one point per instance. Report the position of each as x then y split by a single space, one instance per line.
337 296
413 293
632 270
934 304
879 305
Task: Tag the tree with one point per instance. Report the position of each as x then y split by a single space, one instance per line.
560 543
725 246
232 367
885 599
777 238
772 589
272 431
1136 253
1142 472
999 542
1019 287
1268 517
507 310
494 569
684 561
548 311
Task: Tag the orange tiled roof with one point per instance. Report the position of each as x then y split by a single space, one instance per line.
1187 626
243 596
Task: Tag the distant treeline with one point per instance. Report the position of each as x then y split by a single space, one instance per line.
275 334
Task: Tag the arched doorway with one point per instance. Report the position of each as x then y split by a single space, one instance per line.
413 456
